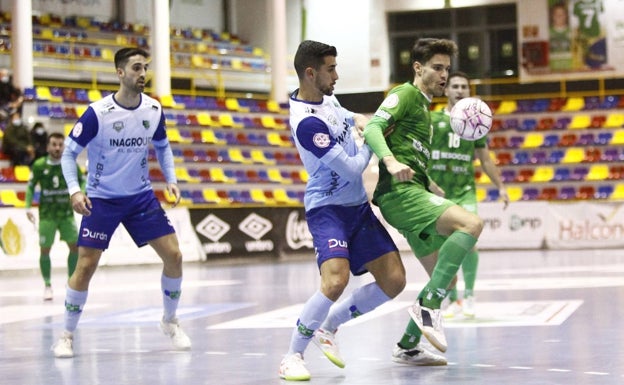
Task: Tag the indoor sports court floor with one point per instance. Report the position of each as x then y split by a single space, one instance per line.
543 317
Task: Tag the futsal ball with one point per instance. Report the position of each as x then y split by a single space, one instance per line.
471 118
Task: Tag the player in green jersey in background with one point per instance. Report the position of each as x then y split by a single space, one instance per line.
451 168
55 210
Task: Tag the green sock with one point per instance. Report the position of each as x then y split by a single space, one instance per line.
450 257
72 259
411 337
469 267
45 266
452 294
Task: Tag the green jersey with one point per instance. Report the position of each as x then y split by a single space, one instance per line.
54 200
404 119
451 165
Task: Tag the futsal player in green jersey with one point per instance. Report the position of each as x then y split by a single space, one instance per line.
451 168
55 210
400 135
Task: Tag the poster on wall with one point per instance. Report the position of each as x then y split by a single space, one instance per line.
575 38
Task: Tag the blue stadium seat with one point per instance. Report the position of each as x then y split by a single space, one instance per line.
555 156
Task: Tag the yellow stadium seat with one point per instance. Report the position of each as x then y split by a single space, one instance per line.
211 196
217 175
618 137
573 104
507 107
514 193
281 196
80 109
274 106
303 174
22 173
47 33
580 122
268 121
182 175
573 155
481 194
598 172
167 101
484 179
257 51
204 119
533 140
543 174
94 95
43 93
232 104
9 197
107 54
274 139
236 155
258 157
237 64
208 136
618 193
197 60
257 195
67 128
227 120
174 136
614 120
276 176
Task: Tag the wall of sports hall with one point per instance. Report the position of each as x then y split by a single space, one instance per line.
557 135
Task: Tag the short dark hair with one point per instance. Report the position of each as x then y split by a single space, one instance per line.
122 56
55 135
457 74
312 54
424 49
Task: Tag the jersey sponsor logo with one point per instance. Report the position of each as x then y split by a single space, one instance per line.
146 124
337 243
77 130
130 142
321 140
332 120
391 101
383 114
86 233
118 126
455 156
417 144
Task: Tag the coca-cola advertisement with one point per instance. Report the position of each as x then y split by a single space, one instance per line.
251 232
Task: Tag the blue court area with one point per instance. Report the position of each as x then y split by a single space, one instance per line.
543 317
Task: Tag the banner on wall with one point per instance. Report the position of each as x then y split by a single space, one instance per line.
585 225
249 232
20 245
580 38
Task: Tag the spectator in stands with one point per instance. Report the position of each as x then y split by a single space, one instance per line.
116 132
17 143
399 134
347 236
55 210
11 97
453 172
39 138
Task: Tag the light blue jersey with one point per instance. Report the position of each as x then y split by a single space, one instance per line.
323 135
117 141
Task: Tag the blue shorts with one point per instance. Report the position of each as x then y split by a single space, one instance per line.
351 232
141 215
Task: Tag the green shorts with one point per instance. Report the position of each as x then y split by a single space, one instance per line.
414 212
65 226
468 201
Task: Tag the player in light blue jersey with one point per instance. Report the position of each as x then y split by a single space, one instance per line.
347 236
116 131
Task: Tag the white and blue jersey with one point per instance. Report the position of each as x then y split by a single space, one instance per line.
117 141
323 135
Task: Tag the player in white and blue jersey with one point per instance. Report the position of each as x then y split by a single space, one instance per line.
347 236
117 131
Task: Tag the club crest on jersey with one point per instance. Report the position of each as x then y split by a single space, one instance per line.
321 140
146 124
391 101
118 126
